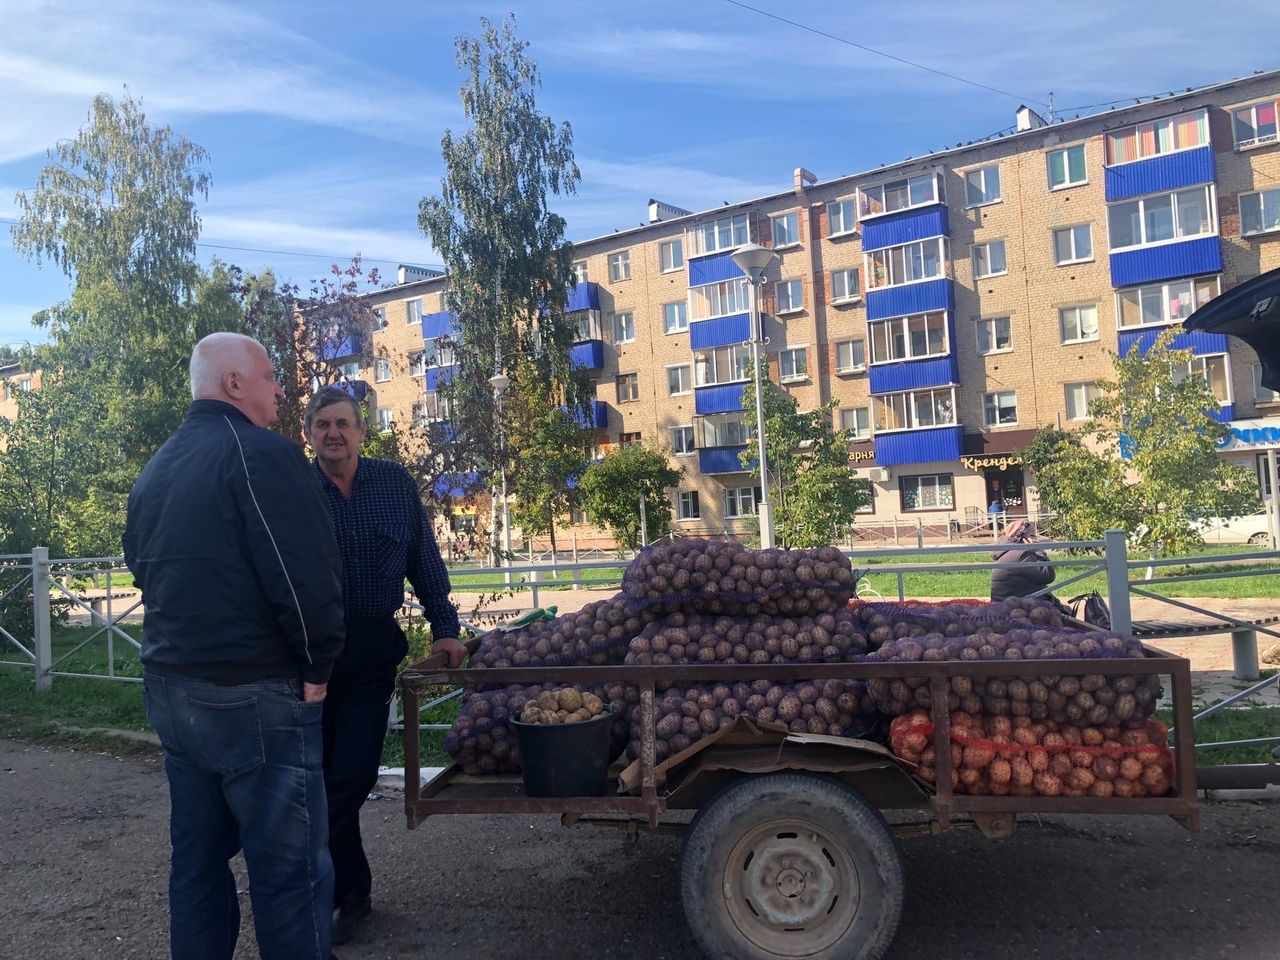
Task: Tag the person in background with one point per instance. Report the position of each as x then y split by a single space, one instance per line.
385 537
996 512
230 543
1021 569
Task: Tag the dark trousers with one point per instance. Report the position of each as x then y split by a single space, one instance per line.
244 768
355 726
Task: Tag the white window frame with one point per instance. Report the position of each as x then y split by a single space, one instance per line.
853 366
1202 126
725 233
379 318
1068 183
1075 251
413 311
944 405
982 174
1165 300
904 332
579 270
996 401
1088 392
688 506
634 393
682 317
1263 205
988 246
620 266
737 430
587 326
1252 108
1081 336
794 288
687 378
847 211
936 484
990 328
735 498
622 327
1262 394
1200 364
1211 204
725 298
861 417
678 435
789 223
734 358
671 255
797 358
418 413
417 363
900 258
386 418
851 281
871 202
381 369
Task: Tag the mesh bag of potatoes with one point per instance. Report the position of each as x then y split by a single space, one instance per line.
886 622
684 638
1021 757
683 716
1078 698
597 634
722 576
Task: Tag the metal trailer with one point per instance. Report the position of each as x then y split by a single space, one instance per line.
788 854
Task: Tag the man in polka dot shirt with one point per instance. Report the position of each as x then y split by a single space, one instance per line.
385 537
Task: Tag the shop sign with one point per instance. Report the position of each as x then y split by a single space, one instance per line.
1002 461
861 456
1251 433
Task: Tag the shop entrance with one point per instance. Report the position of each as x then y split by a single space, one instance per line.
1007 486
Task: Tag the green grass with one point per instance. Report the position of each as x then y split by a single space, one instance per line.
1234 723
547 580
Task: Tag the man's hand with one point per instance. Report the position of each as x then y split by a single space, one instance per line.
451 646
314 692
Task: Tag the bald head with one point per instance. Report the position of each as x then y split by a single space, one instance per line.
237 370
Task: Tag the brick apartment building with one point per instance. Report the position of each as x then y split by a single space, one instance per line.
15 379
952 305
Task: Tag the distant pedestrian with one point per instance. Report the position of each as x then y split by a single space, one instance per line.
230 543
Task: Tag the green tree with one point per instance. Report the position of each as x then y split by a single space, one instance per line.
1147 459
813 492
613 487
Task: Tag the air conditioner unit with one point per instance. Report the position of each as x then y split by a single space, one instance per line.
878 474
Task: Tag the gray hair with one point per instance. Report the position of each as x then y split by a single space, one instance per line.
327 397
216 354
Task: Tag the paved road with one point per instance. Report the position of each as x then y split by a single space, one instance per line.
83 860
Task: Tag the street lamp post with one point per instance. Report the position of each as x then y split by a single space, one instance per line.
753 260
500 382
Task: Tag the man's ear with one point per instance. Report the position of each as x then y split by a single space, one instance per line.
231 383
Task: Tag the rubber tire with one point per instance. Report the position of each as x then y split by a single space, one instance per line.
1260 539
747 804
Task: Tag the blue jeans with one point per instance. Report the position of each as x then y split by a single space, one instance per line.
245 772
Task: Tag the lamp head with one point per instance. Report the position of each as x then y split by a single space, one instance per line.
753 260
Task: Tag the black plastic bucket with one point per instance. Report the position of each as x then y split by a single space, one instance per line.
566 759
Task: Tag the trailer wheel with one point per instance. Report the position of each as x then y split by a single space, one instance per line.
791 865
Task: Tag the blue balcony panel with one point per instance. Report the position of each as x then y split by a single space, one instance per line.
350 344
358 389
1168 261
721 460
1224 414
1158 174
935 445
713 269
583 296
726 398
911 298
458 484
437 377
904 227
587 355
720 332
1197 341
444 323
914 374
596 416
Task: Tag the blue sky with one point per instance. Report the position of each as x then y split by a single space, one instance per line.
323 119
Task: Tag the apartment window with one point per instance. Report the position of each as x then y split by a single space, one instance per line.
1079 396
720 299
628 439
670 255
1166 216
386 418
628 387
414 311
349 371
417 365
682 439
790 295
988 259
721 365
675 317
793 364
910 338
739 502
382 369
419 414
1000 409
916 409
994 335
1066 167
1215 371
587 326
909 263
900 195
982 186
1078 323
844 285
620 266
786 229
1262 394
1158 303
841 218
687 506
437 352
379 318
1259 212
726 430
856 422
624 327
851 356
1073 244
1254 125
935 492
723 234
867 500
679 380
1158 137
580 271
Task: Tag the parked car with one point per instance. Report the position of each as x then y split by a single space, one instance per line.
1252 529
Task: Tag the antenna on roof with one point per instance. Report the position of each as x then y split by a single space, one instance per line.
1050 111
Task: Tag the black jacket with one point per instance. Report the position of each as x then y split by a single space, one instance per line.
1019 572
233 549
